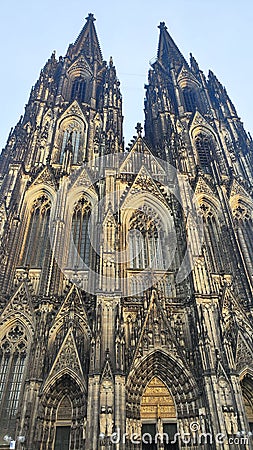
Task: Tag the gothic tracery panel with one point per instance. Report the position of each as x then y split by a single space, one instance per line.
14 348
37 242
146 235
80 254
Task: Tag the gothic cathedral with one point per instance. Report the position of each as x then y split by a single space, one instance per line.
126 272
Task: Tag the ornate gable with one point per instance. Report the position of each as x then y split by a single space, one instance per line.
199 121
45 177
157 332
238 190
186 74
203 187
71 307
19 305
81 65
81 178
67 360
107 373
140 155
144 183
73 110
244 354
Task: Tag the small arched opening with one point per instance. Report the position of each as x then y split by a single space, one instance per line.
247 392
63 424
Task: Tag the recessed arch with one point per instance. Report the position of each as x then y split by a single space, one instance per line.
134 202
63 389
178 380
247 393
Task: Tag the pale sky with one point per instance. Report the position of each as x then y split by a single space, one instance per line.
219 33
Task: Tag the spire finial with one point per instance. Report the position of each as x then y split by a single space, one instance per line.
162 26
90 17
139 129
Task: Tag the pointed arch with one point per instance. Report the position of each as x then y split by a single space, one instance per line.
157 401
171 372
71 128
65 388
79 255
37 243
247 393
15 345
212 219
146 240
243 218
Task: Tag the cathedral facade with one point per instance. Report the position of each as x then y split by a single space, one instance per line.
126 273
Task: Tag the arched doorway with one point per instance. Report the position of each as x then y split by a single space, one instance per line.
158 417
63 424
247 392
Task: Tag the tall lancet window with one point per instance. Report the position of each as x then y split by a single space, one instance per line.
81 235
190 99
213 240
13 353
37 244
145 240
78 90
72 134
205 147
244 230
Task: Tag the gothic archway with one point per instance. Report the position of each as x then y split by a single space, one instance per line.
62 417
247 392
176 379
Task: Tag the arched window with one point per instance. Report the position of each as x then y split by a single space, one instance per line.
80 234
78 90
13 353
213 240
205 146
145 240
247 391
244 230
72 134
37 240
190 99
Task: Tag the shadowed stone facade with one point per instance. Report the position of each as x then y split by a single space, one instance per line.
126 273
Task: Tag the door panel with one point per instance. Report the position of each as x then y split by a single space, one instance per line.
62 438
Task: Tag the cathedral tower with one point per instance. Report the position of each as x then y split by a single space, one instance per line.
126 274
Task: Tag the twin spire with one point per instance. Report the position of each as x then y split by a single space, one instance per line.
87 43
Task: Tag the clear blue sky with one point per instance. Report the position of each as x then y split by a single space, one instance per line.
218 33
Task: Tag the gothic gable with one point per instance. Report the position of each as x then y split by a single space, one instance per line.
156 332
143 183
67 361
45 177
73 109
244 353
140 155
199 121
19 306
237 190
186 75
81 178
72 308
204 187
81 65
